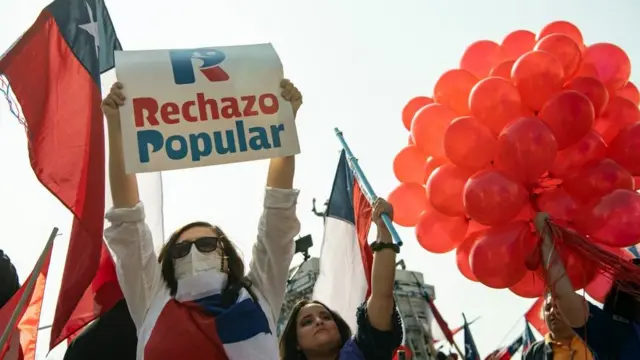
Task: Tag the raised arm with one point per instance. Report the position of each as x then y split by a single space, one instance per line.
379 330
128 237
573 307
273 252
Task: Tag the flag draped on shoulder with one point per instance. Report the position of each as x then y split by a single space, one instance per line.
345 256
54 71
20 316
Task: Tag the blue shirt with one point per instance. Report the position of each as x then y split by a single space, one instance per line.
370 343
610 337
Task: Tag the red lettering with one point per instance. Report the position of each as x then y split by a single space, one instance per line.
268 104
142 105
186 111
204 104
168 112
230 108
249 103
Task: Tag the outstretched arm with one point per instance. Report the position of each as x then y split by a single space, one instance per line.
379 325
273 252
281 170
124 187
128 236
573 307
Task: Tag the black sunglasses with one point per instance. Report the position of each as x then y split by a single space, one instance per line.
203 244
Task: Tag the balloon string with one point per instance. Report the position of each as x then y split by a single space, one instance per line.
624 273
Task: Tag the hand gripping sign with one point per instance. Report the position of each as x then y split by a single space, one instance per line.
208 106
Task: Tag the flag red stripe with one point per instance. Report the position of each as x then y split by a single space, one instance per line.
22 344
535 317
362 210
61 105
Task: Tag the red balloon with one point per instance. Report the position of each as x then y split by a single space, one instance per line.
432 164
565 28
412 107
475 226
560 206
438 233
428 128
630 92
530 286
498 256
526 149
570 115
600 286
453 88
590 149
537 75
607 62
625 148
598 180
564 49
593 89
491 198
495 102
445 187
410 141
518 43
480 57
503 70
408 165
462 254
619 114
469 144
409 201
617 216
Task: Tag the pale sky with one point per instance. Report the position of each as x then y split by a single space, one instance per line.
357 63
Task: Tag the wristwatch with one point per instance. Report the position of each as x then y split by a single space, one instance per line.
377 246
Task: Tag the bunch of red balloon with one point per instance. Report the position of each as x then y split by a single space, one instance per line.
535 124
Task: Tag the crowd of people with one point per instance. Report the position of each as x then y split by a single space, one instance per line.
196 299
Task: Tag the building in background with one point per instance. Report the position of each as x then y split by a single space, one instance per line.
411 304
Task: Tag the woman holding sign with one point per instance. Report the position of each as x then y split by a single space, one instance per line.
192 301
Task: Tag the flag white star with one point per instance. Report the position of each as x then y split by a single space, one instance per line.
92 28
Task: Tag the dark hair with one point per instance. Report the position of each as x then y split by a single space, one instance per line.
620 303
236 279
443 356
289 338
9 282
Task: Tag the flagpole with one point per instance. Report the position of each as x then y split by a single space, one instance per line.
371 196
28 290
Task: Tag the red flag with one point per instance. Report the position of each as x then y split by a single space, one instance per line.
535 317
23 330
54 71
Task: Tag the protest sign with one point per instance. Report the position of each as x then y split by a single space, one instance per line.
207 106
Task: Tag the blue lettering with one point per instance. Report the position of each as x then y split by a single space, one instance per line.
182 63
231 142
202 145
195 140
242 137
259 139
182 150
146 138
275 134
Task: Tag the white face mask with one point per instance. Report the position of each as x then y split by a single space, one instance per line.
196 262
199 274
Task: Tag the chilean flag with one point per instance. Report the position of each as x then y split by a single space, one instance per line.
54 72
345 257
